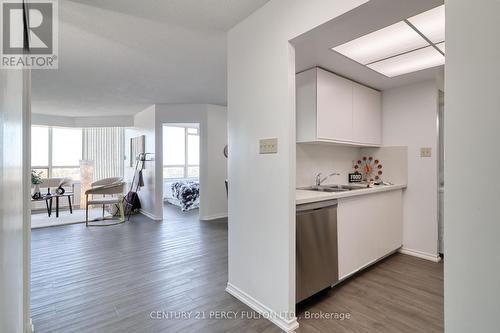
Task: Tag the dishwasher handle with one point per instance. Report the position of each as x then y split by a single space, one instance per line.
316 205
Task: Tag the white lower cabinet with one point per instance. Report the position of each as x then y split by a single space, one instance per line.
369 227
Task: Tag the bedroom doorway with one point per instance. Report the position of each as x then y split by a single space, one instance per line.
181 170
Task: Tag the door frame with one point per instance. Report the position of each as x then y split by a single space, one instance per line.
26 189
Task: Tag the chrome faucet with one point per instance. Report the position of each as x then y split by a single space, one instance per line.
320 180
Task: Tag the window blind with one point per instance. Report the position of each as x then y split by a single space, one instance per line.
105 146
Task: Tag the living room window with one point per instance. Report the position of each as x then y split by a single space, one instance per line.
181 152
56 151
40 150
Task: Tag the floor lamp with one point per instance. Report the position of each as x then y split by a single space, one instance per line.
86 179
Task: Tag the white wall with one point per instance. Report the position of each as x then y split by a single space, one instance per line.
410 119
472 196
214 203
14 242
144 124
261 104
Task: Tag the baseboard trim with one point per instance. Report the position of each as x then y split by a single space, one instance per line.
283 323
420 254
29 327
151 216
213 217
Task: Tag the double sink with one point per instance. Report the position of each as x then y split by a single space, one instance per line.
333 188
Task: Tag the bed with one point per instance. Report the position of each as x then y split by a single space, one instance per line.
182 193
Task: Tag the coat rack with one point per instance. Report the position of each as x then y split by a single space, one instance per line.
131 197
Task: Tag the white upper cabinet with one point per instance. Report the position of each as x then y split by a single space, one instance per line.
334 99
367 115
334 109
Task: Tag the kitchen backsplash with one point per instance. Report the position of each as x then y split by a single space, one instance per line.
395 161
327 158
324 158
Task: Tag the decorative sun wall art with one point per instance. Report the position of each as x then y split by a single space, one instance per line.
370 168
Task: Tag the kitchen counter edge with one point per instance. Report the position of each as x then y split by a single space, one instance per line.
307 196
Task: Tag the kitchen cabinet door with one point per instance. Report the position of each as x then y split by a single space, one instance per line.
334 107
368 228
367 115
306 93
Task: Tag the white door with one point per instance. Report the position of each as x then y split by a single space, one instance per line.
14 195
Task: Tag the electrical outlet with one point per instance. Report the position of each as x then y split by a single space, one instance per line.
425 152
268 146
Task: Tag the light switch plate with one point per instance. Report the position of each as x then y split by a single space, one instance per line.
268 146
425 152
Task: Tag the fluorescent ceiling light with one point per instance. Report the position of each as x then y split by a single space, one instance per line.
441 46
410 45
387 42
409 62
431 24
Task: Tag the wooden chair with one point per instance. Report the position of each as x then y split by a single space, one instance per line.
110 194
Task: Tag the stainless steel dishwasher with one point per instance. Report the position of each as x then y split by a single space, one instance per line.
316 248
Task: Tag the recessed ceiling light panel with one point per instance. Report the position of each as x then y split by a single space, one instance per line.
409 62
431 24
410 45
387 42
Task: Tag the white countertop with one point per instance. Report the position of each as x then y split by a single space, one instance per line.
307 196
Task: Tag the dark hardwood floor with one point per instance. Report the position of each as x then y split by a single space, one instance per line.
113 279
401 294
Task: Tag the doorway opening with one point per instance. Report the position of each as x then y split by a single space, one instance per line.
181 170
337 91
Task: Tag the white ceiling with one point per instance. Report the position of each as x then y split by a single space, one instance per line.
118 56
314 47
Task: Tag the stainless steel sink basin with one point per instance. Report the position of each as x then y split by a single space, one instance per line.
323 189
348 187
333 188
